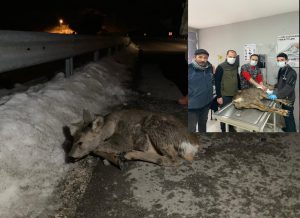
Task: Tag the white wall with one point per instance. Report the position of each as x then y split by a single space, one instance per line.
192 43
263 32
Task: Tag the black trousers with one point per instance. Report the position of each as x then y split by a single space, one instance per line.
290 125
198 116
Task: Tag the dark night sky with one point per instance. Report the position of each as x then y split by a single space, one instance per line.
89 15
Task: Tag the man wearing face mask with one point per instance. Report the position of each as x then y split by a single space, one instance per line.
285 89
200 90
227 81
251 75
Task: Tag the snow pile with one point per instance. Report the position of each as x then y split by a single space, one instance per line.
31 156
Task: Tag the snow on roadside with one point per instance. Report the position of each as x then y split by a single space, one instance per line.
31 156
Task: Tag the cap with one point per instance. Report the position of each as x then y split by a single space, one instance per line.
201 51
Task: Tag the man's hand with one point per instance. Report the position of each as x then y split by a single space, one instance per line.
262 87
220 101
269 91
272 97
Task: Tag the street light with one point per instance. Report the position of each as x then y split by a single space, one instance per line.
61 21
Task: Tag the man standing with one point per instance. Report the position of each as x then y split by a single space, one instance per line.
227 81
251 75
285 89
200 90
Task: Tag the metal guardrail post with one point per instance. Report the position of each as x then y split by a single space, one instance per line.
69 67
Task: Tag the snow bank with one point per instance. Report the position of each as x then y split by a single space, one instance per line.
31 156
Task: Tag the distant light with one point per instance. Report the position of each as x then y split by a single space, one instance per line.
170 34
145 34
61 21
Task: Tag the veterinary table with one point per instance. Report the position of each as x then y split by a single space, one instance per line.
248 119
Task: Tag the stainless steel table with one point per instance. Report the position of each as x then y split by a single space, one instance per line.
248 119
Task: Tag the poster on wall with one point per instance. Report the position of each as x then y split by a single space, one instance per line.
192 45
249 49
289 44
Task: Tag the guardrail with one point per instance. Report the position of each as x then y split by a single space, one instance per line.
19 49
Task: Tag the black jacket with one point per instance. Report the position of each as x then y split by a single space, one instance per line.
286 82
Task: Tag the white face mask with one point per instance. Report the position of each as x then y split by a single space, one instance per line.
281 63
253 63
231 60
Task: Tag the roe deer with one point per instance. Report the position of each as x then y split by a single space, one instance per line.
251 98
134 135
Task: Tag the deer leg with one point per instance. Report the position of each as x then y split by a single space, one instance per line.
114 158
111 157
283 101
112 147
262 107
149 157
273 109
151 154
167 151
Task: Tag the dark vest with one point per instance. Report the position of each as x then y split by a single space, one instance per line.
229 83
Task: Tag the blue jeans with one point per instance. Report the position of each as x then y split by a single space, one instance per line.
198 116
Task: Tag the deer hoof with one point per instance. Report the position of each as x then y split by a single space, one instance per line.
123 165
122 157
285 113
122 161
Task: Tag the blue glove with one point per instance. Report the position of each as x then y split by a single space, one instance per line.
272 97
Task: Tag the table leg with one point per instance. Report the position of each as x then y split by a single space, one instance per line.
227 127
274 118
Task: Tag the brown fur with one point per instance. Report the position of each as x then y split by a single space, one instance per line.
136 135
251 98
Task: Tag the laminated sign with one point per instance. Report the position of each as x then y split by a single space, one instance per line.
249 49
289 44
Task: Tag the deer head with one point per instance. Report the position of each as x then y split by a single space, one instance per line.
86 136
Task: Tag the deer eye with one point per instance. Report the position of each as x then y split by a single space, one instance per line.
79 144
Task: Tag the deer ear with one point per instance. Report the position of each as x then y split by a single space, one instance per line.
78 124
98 123
87 117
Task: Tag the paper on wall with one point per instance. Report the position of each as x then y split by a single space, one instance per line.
249 49
289 44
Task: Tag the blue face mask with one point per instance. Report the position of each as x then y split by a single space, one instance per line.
281 64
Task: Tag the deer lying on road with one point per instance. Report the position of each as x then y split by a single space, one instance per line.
251 98
134 135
